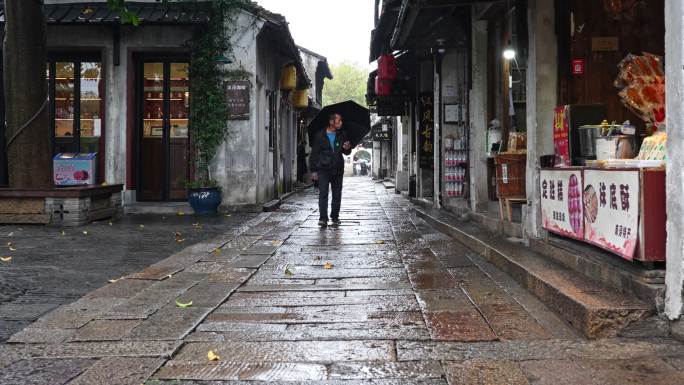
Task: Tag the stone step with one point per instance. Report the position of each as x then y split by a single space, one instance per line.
588 305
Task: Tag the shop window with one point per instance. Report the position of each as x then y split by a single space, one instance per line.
76 93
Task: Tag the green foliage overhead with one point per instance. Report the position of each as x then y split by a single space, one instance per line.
349 83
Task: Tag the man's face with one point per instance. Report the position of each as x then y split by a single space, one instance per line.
336 122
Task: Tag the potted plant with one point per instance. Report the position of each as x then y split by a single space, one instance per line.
204 196
208 125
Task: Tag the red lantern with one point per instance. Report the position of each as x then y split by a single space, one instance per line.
387 67
383 87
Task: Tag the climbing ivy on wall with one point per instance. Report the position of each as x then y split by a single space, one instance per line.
208 107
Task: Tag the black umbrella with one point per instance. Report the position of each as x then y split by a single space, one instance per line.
355 121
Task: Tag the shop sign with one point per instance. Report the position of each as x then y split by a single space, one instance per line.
611 210
389 106
561 131
382 132
426 131
605 44
561 202
237 93
578 67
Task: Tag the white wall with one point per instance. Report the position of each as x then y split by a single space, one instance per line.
674 65
542 77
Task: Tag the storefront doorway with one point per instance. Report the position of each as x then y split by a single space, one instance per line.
163 109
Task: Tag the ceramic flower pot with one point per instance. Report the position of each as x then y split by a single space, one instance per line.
205 200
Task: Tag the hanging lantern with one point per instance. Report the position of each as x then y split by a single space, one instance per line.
383 87
387 67
288 78
300 99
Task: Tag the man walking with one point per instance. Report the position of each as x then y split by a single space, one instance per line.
327 165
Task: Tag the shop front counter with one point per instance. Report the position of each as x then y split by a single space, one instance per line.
621 210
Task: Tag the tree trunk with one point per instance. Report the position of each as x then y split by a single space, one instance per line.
29 153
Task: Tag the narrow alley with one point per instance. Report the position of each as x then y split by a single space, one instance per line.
382 299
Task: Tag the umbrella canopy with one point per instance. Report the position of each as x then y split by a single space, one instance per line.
355 121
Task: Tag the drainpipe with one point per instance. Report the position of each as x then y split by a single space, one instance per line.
377 13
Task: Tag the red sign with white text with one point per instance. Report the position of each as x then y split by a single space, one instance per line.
561 137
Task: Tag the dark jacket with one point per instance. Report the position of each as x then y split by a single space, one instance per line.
323 159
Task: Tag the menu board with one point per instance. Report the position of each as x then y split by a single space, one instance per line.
237 93
611 210
561 131
561 202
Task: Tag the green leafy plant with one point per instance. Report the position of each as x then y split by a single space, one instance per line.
201 183
208 106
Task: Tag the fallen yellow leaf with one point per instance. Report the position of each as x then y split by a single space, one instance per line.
183 305
63 233
227 215
213 356
103 183
180 213
5 259
180 240
380 242
9 244
12 248
328 266
141 227
115 280
288 272
85 232
110 223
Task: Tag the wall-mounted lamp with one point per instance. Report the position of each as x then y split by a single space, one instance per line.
509 53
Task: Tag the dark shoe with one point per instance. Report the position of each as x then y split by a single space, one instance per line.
323 223
336 221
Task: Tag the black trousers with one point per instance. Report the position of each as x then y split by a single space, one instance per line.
324 182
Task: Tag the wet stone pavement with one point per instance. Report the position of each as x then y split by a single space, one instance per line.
382 299
52 266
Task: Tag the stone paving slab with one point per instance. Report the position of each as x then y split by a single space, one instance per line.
169 323
119 371
290 351
44 371
485 372
105 330
396 302
540 350
248 371
379 370
38 335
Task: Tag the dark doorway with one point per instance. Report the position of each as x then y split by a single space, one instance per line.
163 138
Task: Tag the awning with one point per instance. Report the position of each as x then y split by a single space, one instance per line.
382 33
100 13
287 45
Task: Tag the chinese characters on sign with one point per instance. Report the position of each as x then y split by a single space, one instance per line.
561 142
381 132
561 203
427 125
237 93
612 220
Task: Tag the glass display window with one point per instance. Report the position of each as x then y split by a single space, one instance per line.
76 94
